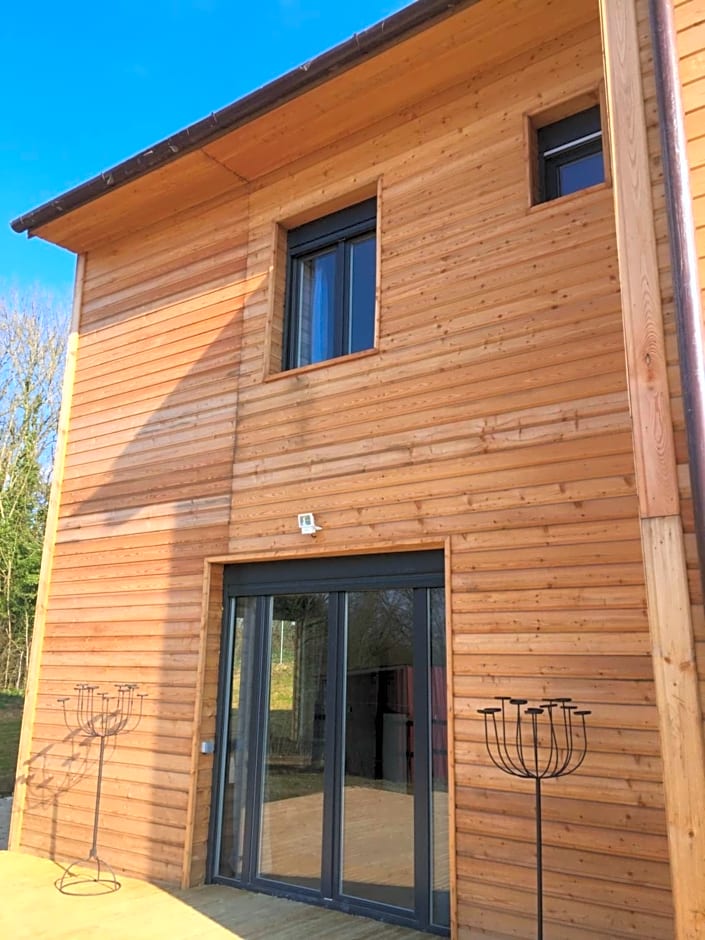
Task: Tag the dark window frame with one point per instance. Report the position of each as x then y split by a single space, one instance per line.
560 143
336 232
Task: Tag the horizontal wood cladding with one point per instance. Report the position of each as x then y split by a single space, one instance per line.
492 417
494 413
435 57
145 498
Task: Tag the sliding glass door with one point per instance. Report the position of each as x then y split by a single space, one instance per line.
331 780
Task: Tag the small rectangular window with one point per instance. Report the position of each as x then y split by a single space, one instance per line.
330 305
570 155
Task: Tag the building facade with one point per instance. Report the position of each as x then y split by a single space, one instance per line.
381 404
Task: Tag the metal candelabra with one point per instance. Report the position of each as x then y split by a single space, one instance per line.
553 745
98 715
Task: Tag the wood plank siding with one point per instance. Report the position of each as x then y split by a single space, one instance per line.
145 498
495 415
492 421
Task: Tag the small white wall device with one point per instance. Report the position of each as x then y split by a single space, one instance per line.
307 524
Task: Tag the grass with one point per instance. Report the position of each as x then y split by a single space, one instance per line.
281 690
11 705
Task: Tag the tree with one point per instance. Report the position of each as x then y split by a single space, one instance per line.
32 340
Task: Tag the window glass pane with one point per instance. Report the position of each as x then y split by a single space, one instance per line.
292 809
378 795
315 309
581 173
242 613
440 870
361 300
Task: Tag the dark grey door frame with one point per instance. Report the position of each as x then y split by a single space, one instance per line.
421 571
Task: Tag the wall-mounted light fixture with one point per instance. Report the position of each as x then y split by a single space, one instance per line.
307 524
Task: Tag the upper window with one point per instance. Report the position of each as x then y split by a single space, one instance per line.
570 155
330 305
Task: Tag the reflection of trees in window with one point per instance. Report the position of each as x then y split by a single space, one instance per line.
438 627
380 628
299 632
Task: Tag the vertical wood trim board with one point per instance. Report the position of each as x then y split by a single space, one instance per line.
450 716
196 859
675 673
668 599
196 735
47 559
654 452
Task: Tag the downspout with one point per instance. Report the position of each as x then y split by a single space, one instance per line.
684 256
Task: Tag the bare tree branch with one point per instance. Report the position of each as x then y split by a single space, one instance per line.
33 328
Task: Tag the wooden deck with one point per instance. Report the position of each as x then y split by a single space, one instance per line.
32 907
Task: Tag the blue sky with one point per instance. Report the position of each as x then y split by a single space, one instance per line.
86 85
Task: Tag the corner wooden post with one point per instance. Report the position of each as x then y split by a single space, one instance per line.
670 623
196 759
30 704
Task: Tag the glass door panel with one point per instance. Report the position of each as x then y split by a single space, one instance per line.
332 776
291 821
377 829
241 613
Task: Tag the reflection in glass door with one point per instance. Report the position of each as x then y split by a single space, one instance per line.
291 824
238 679
332 774
378 796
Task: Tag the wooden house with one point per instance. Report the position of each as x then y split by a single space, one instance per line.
385 398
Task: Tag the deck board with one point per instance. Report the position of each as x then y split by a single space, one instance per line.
33 908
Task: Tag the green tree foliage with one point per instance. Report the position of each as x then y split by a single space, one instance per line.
32 339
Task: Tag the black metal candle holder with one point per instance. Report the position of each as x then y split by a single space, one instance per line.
105 718
553 745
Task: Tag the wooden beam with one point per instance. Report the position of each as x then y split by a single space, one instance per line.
187 864
654 452
680 719
30 704
669 611
450 732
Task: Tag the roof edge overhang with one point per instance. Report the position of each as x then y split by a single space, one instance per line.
340 58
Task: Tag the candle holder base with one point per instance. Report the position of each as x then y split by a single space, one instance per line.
88 876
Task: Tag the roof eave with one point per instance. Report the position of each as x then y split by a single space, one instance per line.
344 56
